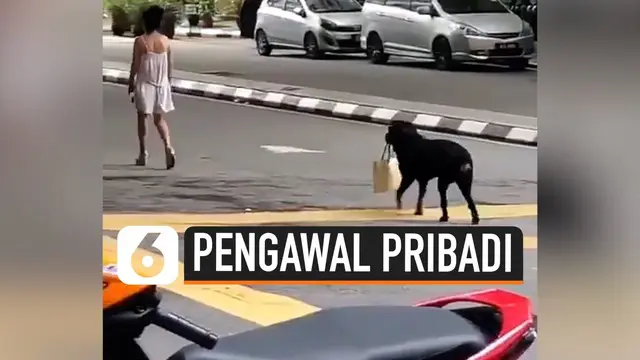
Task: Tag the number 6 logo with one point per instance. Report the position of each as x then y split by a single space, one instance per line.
129 240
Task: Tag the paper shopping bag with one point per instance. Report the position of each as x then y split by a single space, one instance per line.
386 174
395 177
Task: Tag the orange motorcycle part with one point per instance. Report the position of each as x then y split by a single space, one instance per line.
115 292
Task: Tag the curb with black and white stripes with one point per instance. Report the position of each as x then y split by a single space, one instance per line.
208 33
196 32
345 110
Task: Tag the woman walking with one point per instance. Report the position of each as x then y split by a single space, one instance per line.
150 83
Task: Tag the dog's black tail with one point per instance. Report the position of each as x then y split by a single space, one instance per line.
465 180
465 177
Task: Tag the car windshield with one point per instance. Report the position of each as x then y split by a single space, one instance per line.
327 6
472 6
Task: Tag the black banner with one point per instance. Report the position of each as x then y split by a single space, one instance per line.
360 254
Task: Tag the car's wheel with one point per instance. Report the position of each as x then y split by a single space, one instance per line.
262 43
311 47
518 64
375 50
442 54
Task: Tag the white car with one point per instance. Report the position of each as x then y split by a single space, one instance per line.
314 26
447 31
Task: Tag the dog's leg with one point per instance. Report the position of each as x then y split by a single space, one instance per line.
404 185
422 191
443 186
464 184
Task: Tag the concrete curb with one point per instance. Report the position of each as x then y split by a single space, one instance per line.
203 33
209 33
345 110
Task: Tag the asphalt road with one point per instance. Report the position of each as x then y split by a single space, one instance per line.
222 168
474 86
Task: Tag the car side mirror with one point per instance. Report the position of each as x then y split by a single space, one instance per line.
427 10
300 12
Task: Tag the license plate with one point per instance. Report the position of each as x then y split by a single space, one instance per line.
343 36
507 46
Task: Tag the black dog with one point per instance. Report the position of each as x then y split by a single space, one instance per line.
422 159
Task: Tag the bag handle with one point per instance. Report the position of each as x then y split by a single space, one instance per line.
386 152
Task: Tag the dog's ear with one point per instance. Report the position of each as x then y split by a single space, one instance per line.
396 131
403 127
398 124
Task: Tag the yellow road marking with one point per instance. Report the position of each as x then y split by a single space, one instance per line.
256 306
530 242
266 308
252 305
181 222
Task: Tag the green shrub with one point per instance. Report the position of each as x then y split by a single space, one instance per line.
120 23
128 13
207 20
193 20
136 16
169 21
228 8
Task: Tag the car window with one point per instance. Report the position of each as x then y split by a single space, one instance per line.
415 4
276 3
472 6
398 3
331 6
289 5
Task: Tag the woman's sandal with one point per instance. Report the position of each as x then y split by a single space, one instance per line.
170 156
142 159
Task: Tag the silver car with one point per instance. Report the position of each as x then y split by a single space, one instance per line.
315 26
448 31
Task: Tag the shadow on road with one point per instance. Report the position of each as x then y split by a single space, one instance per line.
331 57
418 64
464 67
129 167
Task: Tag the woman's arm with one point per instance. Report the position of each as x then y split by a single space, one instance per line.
170 57
135 64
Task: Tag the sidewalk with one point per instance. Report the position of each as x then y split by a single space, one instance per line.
533 62
222 32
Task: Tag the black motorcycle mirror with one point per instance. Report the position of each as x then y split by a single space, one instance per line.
186 329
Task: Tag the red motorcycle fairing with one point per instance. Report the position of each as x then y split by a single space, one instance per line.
518 323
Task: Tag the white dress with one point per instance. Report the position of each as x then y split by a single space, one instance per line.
152 84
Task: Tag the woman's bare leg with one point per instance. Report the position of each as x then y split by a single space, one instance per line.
163 130
142 135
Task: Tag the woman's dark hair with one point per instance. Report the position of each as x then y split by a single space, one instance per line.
152 18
